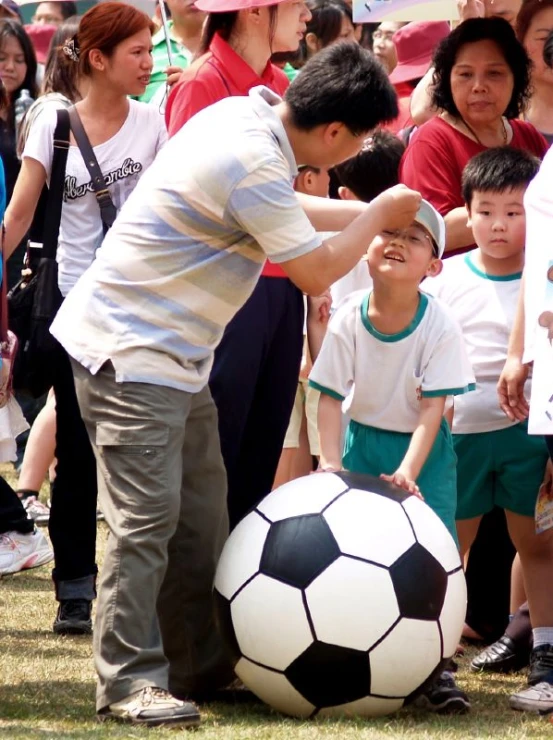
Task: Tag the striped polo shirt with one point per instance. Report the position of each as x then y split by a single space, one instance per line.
188 247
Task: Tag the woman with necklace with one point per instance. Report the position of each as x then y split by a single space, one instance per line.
481 86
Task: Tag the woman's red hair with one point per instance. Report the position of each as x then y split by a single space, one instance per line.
105 26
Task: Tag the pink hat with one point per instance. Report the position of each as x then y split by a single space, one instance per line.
415 44
41 36
226 6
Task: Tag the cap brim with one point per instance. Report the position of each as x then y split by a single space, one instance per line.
412 71
429 218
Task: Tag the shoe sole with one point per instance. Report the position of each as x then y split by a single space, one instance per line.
33 561
187 722
72 628
513 667
521 705
449 706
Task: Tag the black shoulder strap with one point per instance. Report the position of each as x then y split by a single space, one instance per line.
108 211
57 183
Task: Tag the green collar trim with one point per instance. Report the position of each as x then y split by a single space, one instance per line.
496 278
423 303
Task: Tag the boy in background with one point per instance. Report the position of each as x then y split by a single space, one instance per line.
499 464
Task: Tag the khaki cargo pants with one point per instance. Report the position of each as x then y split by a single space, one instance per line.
162 488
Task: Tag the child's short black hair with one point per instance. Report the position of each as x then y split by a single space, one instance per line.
374 169
342 83
497 170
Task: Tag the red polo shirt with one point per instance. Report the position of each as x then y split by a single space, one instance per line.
218 74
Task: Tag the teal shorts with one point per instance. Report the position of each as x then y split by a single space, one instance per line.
376 451
503 468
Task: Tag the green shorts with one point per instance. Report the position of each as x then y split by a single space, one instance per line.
375 451
503 468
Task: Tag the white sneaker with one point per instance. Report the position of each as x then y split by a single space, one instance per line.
153 706
22 551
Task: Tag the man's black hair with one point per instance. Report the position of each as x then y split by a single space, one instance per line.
498 170
374 169
342 83
469 32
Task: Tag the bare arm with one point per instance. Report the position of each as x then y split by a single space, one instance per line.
22 206
510 387
430 418
326 214
329 422
458 234
315 272
318 314
421 107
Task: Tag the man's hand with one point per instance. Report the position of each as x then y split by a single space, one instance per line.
510 389
470 9
396 207
402 481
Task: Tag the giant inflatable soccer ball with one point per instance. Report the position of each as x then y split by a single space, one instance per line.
339 594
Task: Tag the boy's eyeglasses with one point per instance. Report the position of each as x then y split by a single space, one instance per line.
414 236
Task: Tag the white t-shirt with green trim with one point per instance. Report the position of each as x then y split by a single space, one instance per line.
388 374
485 307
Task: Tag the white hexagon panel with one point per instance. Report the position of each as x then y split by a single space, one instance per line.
307 495
453 613
273 688
241 554
261 635
432 533
352 604
370 526
405 658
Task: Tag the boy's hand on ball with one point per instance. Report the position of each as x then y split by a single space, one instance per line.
397 207
402 481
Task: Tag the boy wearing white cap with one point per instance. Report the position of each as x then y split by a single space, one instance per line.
397 353
402 352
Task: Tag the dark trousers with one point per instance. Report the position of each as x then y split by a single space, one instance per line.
74 492
13 517
253 384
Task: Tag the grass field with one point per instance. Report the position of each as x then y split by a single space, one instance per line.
47 690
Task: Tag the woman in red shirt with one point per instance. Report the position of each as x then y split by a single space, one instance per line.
482 81
256 367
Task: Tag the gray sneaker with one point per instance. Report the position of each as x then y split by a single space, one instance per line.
538 699
152 707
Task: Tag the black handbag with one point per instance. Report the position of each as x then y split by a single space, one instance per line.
33 303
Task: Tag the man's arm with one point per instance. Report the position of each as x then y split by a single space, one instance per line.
316 271
430 418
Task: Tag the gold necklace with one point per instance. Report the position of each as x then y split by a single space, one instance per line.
473 132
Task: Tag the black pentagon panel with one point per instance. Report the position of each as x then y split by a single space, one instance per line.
329 675
420 583
223 621
364 482
298 549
